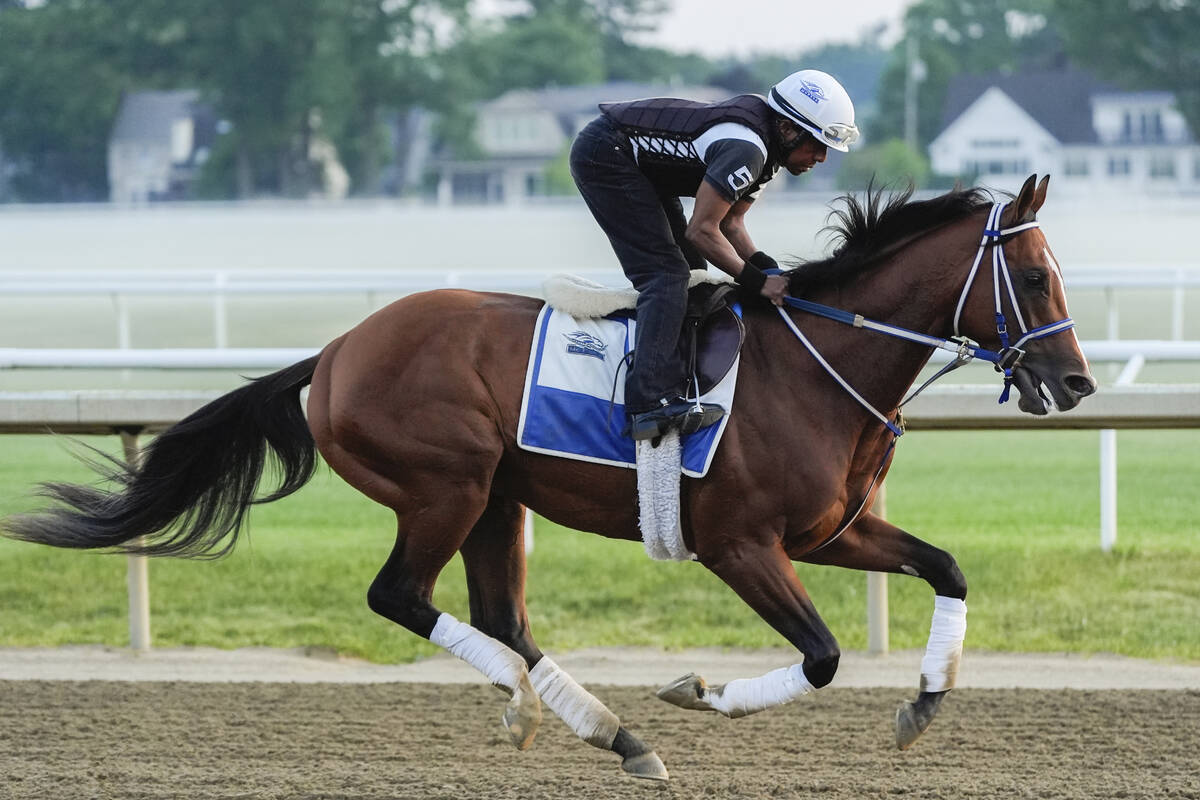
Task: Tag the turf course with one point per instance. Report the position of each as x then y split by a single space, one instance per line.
1019 510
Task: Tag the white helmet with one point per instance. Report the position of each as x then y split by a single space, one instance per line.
815 101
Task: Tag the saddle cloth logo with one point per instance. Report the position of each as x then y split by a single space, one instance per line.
566 411
583 343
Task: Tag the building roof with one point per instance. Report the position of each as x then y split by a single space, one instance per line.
147 116
584 99
1060 100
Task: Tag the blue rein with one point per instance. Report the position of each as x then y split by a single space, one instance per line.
1005 359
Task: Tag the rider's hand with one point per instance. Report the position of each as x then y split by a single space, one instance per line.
775 289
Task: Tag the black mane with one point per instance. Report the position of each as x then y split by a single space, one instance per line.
865 230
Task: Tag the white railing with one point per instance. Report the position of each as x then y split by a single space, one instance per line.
131 413
380 285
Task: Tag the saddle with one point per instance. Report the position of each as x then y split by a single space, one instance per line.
712 331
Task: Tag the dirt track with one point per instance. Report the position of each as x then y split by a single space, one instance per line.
160 740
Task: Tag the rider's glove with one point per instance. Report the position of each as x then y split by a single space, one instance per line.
763 261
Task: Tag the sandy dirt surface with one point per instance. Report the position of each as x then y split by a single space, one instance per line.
132 740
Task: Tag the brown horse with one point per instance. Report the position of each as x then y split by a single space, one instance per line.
417 407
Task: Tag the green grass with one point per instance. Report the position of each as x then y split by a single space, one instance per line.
1019 511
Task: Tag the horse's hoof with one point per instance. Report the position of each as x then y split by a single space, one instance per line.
907 730
523 715
913 718
686 692
647 766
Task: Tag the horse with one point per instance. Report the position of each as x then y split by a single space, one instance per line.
417 407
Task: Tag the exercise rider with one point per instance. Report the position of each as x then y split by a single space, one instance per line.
634 162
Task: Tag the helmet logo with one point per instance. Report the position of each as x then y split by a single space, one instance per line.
812 91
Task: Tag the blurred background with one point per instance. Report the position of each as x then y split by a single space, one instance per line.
224 174
215 144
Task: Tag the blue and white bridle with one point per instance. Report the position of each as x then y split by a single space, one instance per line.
1005 359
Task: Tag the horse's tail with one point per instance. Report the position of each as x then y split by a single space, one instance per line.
195 482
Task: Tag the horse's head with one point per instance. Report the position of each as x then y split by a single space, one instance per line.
1022 309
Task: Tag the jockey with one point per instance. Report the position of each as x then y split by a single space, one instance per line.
634 162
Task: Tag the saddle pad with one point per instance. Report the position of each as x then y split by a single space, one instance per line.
565 410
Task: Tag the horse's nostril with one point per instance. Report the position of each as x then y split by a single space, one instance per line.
1080 385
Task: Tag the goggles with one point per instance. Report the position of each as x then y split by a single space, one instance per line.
839 134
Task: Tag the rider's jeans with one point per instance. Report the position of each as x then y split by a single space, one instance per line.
638 222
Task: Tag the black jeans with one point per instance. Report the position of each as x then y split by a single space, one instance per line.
646 231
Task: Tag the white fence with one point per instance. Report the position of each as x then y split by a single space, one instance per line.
940 408
379 286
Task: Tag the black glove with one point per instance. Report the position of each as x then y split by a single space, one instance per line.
751 279
763 261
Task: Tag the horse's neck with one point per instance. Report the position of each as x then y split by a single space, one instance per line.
916 288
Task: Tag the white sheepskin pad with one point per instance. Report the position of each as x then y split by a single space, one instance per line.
582 298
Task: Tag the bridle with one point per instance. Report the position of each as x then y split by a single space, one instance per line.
1005 359
1009 356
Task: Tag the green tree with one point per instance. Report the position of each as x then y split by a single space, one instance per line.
283 72
959 36
63 67
891 163
1145 44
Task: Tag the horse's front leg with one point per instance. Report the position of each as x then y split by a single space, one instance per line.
763 576
874 544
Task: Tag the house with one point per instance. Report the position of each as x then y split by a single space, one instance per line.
159 141
522 132
1090 136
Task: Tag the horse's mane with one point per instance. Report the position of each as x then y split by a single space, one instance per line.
865 230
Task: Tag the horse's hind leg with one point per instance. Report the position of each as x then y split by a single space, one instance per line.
874 544
494 558
403 591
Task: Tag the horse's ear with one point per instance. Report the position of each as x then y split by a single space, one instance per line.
1021 209
1039 196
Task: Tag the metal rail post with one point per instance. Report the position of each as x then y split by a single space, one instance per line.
138 573
1108 464
877 592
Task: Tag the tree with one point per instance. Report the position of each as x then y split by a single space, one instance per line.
283 72
1144 44
59 93
890 163
952 37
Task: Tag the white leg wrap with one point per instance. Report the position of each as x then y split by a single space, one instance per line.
749 695
501 665
939 667
588 717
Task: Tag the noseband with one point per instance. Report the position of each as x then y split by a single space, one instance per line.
1008 356
1005 359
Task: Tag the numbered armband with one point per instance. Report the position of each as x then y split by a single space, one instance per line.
733 167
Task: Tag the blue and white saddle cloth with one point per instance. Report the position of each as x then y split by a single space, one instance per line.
565 410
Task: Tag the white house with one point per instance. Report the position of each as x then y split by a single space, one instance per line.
158 143
1091 137
524 131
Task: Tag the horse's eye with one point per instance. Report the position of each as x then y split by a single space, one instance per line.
1035 279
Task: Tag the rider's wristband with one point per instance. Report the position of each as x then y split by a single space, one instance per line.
763 261
751 278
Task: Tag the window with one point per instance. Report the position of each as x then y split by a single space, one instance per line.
1118 165
1162 166
997 167
981 143
1077 166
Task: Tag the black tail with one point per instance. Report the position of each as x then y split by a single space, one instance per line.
196 480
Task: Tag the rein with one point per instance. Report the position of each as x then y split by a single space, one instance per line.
1005 359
